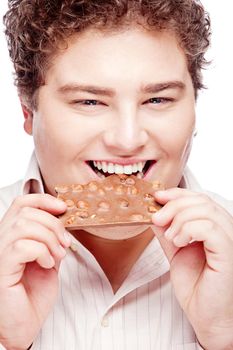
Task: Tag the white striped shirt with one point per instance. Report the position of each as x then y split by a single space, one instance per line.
142 315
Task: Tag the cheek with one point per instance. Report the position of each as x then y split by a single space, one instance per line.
177 137
175 152
64 134
177 146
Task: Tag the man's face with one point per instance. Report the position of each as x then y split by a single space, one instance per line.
120 102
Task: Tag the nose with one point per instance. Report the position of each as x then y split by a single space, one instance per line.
126 136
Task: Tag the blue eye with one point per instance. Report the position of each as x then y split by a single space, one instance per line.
159 101
156 100
89 106
86 103
90 102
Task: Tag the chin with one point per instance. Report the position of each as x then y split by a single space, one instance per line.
117 232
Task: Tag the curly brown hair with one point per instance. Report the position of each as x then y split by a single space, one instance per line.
35 30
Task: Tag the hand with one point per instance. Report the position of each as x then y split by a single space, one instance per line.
32 245
197 235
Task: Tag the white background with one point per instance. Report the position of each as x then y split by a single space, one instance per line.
211 158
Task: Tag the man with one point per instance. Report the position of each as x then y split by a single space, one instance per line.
110 86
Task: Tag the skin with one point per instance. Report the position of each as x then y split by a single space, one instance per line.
128 122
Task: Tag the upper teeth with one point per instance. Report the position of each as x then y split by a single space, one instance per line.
119 169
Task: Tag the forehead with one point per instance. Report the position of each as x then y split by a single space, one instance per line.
130 54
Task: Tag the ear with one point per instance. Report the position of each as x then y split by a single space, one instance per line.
28 118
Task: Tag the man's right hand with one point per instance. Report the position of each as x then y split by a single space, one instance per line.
32 245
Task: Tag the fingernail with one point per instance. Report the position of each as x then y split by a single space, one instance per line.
62 250
158 215
159 192
168 234
52 261
178 241
67 238
159 218
61 203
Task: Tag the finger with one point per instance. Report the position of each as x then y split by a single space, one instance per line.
24 251
40 201
166 214
215 240
172 193
49 221
204 211
189 230
26 229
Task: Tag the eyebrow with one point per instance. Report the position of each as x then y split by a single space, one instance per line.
103 91
155 88
91 89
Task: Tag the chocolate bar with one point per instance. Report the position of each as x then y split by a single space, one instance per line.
116 200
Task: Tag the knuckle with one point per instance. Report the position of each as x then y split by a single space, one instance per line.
18 245
210 208
25 211
204 198
185 227
51 240
179 218
17 202
58 225
19 223
211 225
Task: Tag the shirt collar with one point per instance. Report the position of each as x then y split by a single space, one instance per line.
189 181
32 182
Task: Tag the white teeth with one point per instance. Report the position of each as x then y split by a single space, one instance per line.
120 169
99 165
128 169
140 166
104 167
111 168
135 168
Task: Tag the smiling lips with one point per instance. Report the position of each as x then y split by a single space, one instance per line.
104 168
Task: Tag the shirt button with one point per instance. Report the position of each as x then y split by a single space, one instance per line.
73 247
105 322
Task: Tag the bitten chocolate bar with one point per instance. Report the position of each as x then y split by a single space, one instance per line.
115 200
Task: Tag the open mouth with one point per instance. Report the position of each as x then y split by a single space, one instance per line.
103 169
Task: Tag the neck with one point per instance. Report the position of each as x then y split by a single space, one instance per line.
116 257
